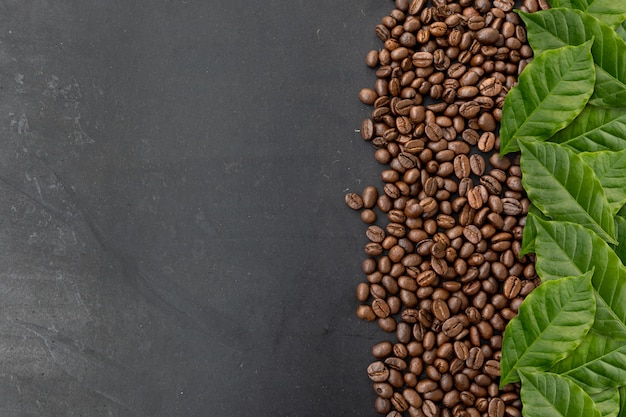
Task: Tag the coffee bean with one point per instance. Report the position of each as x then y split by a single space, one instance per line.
354 201
492 367
475 358
430 409
383 389
395 363
426 385
511 206
416 6
469 109
467 398
461 166
486 142
438 29
490 87
378 371
496 406
452 326
434 132
380 308
492 185
487 36
375 233
474 198
440 310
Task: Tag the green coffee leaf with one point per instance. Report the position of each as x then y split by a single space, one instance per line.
610 168
607 402
552 91
564 188
529 232
596 364
554 28
565 248
620 249
552 321
610 12
595 129
550 395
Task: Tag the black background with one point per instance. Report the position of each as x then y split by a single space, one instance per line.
174 237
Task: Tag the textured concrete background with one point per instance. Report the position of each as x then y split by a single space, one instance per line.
173 235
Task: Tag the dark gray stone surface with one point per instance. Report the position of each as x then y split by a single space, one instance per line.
174 240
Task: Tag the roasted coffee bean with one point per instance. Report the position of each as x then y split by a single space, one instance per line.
496 407
380 308
486 142
452 326
440 310
430 409
378 371
511 206
475 358
368 96
354 201
469 109
487 36
461 166
490 87
382 349
383 389
492 367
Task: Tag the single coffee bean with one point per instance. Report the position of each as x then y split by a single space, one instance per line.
467 398
460 350
378 371
475 198
354 201
412 397
475 358
426 385
399 402
452 326
476 22
382 349
396 363
369 197
467 91
382 405
469 109
383 389
416 6
487 122
438 29
440 310
430 409
380 308
492 368
487 36
490 87
375 233
486 142
496 407
511 206
492 185
440 267
461 166
368 96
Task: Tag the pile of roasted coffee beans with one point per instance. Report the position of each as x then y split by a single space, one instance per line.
444 275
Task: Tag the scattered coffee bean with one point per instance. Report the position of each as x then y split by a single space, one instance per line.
443 273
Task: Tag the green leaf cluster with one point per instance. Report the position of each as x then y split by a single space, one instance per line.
567 117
